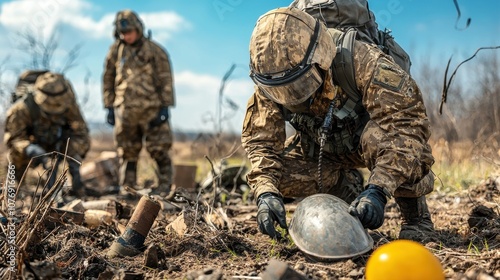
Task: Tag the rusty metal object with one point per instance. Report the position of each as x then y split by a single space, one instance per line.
131 242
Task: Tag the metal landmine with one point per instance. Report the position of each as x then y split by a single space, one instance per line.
323 229
131 242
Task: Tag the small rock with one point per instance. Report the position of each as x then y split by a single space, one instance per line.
299 266
206 274
355 273
151 256
278 270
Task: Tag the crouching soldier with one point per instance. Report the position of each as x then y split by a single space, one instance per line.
41 121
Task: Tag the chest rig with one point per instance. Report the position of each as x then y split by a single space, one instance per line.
339 130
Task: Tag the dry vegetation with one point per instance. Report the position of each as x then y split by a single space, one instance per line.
226 243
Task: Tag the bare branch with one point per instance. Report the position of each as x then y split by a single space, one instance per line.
72 57
467 23
447 84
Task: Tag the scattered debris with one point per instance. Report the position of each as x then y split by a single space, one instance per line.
60 216
94 218
41 270
278 270
181 224
205 274
131 242
112 206
75 206
101 175
196 239
151 256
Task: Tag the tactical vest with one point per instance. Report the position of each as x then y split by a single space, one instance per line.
119 57
351 117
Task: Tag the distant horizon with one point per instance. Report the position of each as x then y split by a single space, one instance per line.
95 128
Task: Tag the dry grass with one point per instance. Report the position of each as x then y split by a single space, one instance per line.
459 165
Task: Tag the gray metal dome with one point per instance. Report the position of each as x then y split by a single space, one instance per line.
323 229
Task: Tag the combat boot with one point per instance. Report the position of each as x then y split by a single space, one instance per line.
417 224
77 187
128 174
164 188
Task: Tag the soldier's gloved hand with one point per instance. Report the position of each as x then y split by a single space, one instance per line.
161 117
369 207
270 210
34 150
111 116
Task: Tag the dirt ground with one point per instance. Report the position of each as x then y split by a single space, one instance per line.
221 241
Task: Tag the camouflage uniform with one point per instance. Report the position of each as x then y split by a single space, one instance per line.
137 82
393 143
48 121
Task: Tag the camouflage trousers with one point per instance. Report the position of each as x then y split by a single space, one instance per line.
339 177
300 176
132 131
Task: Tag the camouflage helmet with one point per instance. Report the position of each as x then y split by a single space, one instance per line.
323 229
52 93
127 20
25 83
289 52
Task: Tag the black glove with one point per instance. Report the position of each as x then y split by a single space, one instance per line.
369 207
161 118
111 116
34 150
271 210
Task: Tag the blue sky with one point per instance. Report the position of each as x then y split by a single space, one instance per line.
204 38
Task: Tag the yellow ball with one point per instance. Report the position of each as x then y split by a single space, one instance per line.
403 259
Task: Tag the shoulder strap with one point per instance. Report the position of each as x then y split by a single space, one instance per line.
343 63
119 50
32 106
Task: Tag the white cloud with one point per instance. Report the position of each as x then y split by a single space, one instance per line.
163 24
49 14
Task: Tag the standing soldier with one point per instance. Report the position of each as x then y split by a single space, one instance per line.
41 121
138 91
384 128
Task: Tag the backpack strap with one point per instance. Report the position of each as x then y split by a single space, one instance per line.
344 76
33 108
343 63
119 50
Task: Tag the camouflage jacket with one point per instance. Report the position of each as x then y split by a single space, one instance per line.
137 76
23 127
398 155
